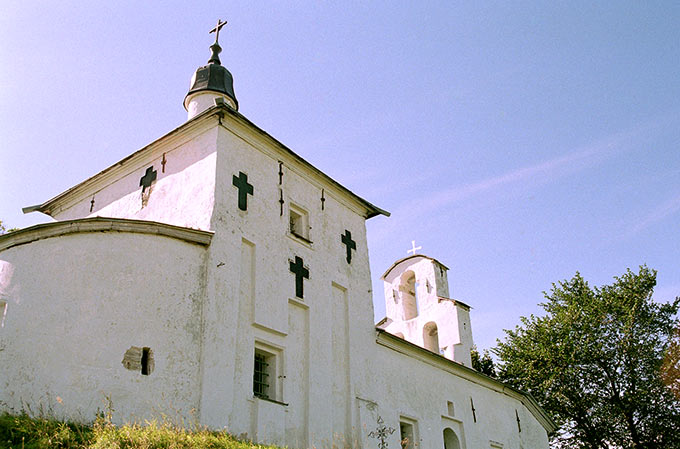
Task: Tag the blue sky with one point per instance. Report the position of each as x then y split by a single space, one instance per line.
516 142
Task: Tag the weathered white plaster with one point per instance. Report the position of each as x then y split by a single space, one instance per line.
77 302
428 382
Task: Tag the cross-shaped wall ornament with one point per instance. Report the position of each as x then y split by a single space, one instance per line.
148 178
381 433
346 238
241 182
413 248
300 273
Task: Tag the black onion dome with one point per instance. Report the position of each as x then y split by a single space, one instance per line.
213 77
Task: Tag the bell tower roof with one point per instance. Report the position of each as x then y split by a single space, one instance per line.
213 78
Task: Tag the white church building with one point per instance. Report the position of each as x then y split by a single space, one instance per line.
215 275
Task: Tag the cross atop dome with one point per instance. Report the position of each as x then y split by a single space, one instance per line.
217 29
216 49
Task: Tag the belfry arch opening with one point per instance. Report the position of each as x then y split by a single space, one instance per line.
407 288
431 337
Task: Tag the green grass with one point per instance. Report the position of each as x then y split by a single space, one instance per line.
24 432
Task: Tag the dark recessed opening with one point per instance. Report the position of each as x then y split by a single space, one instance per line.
145 361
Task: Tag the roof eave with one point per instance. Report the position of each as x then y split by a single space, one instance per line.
48 206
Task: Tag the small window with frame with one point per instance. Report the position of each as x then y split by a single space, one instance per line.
266 366
261 375
408 433
298 224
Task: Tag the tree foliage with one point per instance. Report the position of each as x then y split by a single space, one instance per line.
483 363
4 230
595 362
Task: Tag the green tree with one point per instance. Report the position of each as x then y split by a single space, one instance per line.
594 362
483 363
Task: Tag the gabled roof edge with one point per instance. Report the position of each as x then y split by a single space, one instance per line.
46 206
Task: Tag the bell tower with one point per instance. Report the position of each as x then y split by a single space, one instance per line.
419 308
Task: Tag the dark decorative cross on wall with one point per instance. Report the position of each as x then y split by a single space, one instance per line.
346 238
148 178
241 182
300 273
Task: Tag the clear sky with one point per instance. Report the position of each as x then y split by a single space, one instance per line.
516 142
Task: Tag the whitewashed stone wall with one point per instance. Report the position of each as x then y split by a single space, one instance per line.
409 383
78 302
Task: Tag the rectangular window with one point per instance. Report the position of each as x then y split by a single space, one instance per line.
450 408
298 222
261 376
266 368
408 433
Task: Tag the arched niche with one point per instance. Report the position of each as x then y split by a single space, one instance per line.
431 337
450 439
407 287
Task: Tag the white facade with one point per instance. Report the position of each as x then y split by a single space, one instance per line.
208 275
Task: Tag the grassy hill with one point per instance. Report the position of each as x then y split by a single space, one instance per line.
23 432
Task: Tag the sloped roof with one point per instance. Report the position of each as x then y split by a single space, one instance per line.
219 111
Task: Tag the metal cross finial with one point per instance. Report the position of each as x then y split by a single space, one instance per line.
413 248
217 29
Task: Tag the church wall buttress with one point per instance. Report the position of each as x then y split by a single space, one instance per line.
341 370
297 376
